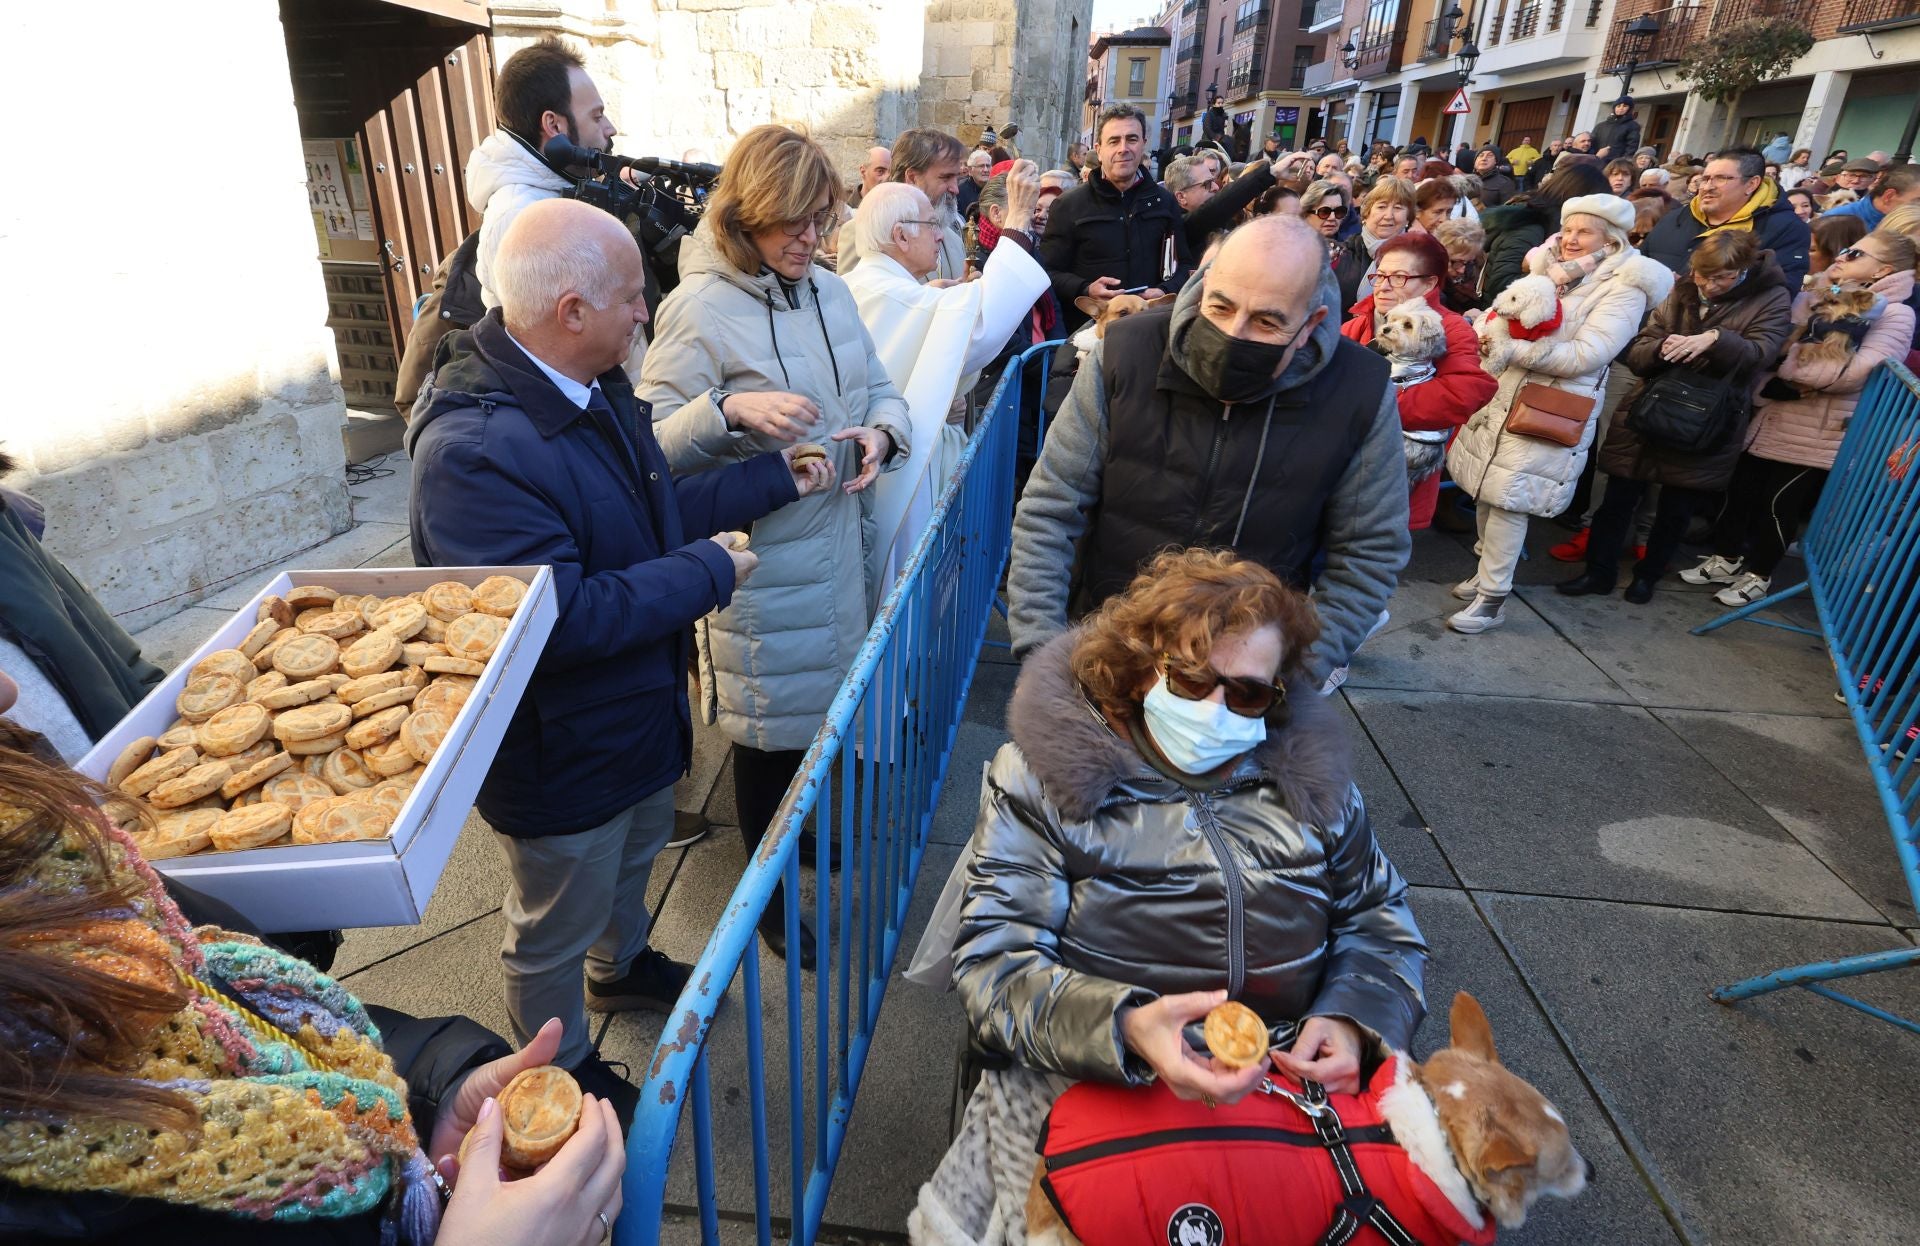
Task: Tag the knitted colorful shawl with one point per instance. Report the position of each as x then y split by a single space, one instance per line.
302 1116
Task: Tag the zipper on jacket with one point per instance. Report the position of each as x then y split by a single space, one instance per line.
1306 1139
1209 823
1206 477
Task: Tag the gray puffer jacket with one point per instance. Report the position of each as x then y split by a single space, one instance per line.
771 662
1100 884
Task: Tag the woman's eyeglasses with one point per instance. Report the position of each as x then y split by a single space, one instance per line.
821 221
1328 214
1249 698
1855 253
1394 281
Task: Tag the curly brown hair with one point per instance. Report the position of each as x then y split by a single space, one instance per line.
1178 607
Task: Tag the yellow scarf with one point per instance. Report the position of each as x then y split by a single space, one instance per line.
1741 220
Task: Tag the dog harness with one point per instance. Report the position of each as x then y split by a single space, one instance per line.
1135 1166
1551 324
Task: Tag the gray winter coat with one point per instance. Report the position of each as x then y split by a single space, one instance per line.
1101 884
771 662
1364 532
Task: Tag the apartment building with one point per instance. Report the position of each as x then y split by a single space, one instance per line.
1245 63
1125 68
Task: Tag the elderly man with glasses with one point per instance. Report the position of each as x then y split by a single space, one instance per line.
1733 194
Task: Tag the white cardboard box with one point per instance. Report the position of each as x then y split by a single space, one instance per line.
383 882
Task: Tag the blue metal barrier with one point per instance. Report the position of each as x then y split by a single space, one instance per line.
871 779
1862 550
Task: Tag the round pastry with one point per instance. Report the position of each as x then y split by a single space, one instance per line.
434 632
1236 1035
224 662
352 601
447 600
311 722
466 682
311 765
370 655
392 799
355 690
338 624
306 657
339 820
169 765
124 814
317 749
498 594
132 757
454 666
446 698
234 729
414 677
539 1111
178 834
264 747
388 758
422 734
377 727
414 652
402 617
202 780
368 706
263 660
252 826
345 772
263 631
261 685
256 774
297 791
207 695
307 596
295 695
275 608
805 452
172 738
474 636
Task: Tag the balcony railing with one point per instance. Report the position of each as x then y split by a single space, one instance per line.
1731 13
1859 15
1680 25
1438 41
1323 73
1556 16
1593 12
1526 22
1494 26
1189 50
1377 53
1326 11
1186 10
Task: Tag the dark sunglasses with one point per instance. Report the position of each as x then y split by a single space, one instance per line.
1327 214
1855 253
1249 698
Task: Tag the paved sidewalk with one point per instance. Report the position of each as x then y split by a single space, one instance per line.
1602 817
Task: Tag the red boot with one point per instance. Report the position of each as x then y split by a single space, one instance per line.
1573 549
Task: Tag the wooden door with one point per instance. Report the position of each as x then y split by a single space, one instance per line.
1525 119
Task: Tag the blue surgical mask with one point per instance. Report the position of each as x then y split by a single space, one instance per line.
1197 736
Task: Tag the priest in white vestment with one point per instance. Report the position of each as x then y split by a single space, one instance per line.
935 337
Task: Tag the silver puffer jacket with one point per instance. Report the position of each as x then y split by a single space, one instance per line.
1100 884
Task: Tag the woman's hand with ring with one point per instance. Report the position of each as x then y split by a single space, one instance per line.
461 1109
561 1205
1328 1052
1153 1032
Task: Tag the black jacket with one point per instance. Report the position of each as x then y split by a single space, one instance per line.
1218 212
1498 186
1617 136
1775 228
1350 262
64 632
1512 229
1097 231
508 472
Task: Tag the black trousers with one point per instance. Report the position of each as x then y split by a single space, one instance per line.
760 779
1764 504
1613 523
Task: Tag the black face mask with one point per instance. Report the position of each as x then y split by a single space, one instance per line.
1233 369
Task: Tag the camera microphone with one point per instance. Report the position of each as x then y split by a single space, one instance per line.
562 152
675 168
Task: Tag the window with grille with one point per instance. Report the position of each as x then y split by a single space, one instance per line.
1136 76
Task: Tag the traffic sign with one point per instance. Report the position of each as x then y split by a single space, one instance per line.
1458 106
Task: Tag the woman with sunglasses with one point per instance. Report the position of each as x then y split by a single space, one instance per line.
1324 205
1174 824
757 348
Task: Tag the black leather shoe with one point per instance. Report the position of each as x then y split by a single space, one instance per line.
774 934
1586 584
1640 592
653 983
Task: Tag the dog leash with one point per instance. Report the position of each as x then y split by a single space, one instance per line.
1359 1208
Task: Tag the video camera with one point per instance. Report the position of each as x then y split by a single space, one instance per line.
661 205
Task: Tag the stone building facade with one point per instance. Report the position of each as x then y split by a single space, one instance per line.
172 398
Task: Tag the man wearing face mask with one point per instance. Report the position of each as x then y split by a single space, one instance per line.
1238 418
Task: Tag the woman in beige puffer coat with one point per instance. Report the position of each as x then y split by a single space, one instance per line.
1606 288
1794 439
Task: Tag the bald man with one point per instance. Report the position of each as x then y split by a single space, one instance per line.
529 449
1237 418
877 169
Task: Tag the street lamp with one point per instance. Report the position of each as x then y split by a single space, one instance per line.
1349 55
1463 61
1640 32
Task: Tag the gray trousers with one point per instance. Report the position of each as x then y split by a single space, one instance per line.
577 900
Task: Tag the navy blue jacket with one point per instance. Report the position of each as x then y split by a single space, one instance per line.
507 471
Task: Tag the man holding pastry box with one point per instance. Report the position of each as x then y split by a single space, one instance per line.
529 447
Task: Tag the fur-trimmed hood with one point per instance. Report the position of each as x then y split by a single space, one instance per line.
1652 279
1082 763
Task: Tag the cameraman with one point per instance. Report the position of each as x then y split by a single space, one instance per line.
544 90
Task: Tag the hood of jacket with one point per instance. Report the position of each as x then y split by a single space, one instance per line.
1082 762
1762 200
1307 362
503 160
700 257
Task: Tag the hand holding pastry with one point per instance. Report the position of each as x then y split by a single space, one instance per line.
744 559
811 466
1153 1032
572 1201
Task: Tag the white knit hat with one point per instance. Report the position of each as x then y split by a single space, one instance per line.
1612 209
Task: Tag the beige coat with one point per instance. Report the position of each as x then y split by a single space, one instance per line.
1807 432
771 662
1599 317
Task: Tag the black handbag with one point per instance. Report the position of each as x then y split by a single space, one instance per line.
1680 409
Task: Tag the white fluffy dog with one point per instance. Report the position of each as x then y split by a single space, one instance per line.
1530 303
1411 336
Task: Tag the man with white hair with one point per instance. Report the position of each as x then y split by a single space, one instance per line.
979 169
935 338
529 448
1657 178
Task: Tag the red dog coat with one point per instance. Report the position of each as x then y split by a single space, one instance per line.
1138 1167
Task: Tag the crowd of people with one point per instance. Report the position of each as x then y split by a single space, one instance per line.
1274 371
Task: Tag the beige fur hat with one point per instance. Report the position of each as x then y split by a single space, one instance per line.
1612 209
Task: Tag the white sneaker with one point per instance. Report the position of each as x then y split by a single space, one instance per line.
1483 615
1469 588
1713 569
1744 591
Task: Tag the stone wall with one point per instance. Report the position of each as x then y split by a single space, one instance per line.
171 394
1050 74
990 62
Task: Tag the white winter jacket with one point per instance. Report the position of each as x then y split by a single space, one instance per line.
771 662
503 177
1598 318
